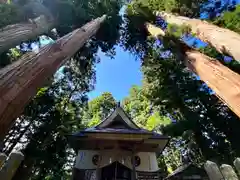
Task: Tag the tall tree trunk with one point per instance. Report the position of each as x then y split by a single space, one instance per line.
20 81
13 35
223 81
3 1
223 40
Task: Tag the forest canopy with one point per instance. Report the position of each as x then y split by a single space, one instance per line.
175 98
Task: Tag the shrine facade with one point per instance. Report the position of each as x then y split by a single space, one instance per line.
117 149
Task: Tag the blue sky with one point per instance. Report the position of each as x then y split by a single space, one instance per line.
117 75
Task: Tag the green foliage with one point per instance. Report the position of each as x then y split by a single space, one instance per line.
172 154
200 129
56 111
68 15
194 108
156 121
59 109
190 8
72 14
229 20
99 108
187 100
9 14
134 34
162 165
9 57
138 106
177 31
94 121
172 100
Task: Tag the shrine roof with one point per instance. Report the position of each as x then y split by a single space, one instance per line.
118 130
118 115
154 135
115 130
118 122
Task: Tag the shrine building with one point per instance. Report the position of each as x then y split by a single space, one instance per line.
117 149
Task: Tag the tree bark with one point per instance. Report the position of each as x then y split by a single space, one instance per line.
20 81
223 81
3 1
13 35
223 40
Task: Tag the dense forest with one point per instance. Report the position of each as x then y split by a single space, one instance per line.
189 88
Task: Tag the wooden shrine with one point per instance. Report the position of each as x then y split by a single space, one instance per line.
117 149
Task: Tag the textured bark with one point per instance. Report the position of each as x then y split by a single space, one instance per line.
223 81
3 1
20 81
223 40
13 35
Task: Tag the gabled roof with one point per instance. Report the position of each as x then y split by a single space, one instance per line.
118 122
118 115
118 130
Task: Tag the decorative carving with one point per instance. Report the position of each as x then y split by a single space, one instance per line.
137 161
95 159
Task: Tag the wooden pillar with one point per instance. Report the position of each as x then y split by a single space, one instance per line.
98 170
78 174
133 166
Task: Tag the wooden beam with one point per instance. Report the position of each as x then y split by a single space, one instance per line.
140 146
119 136
133 163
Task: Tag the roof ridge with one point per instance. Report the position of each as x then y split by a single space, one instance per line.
118 110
